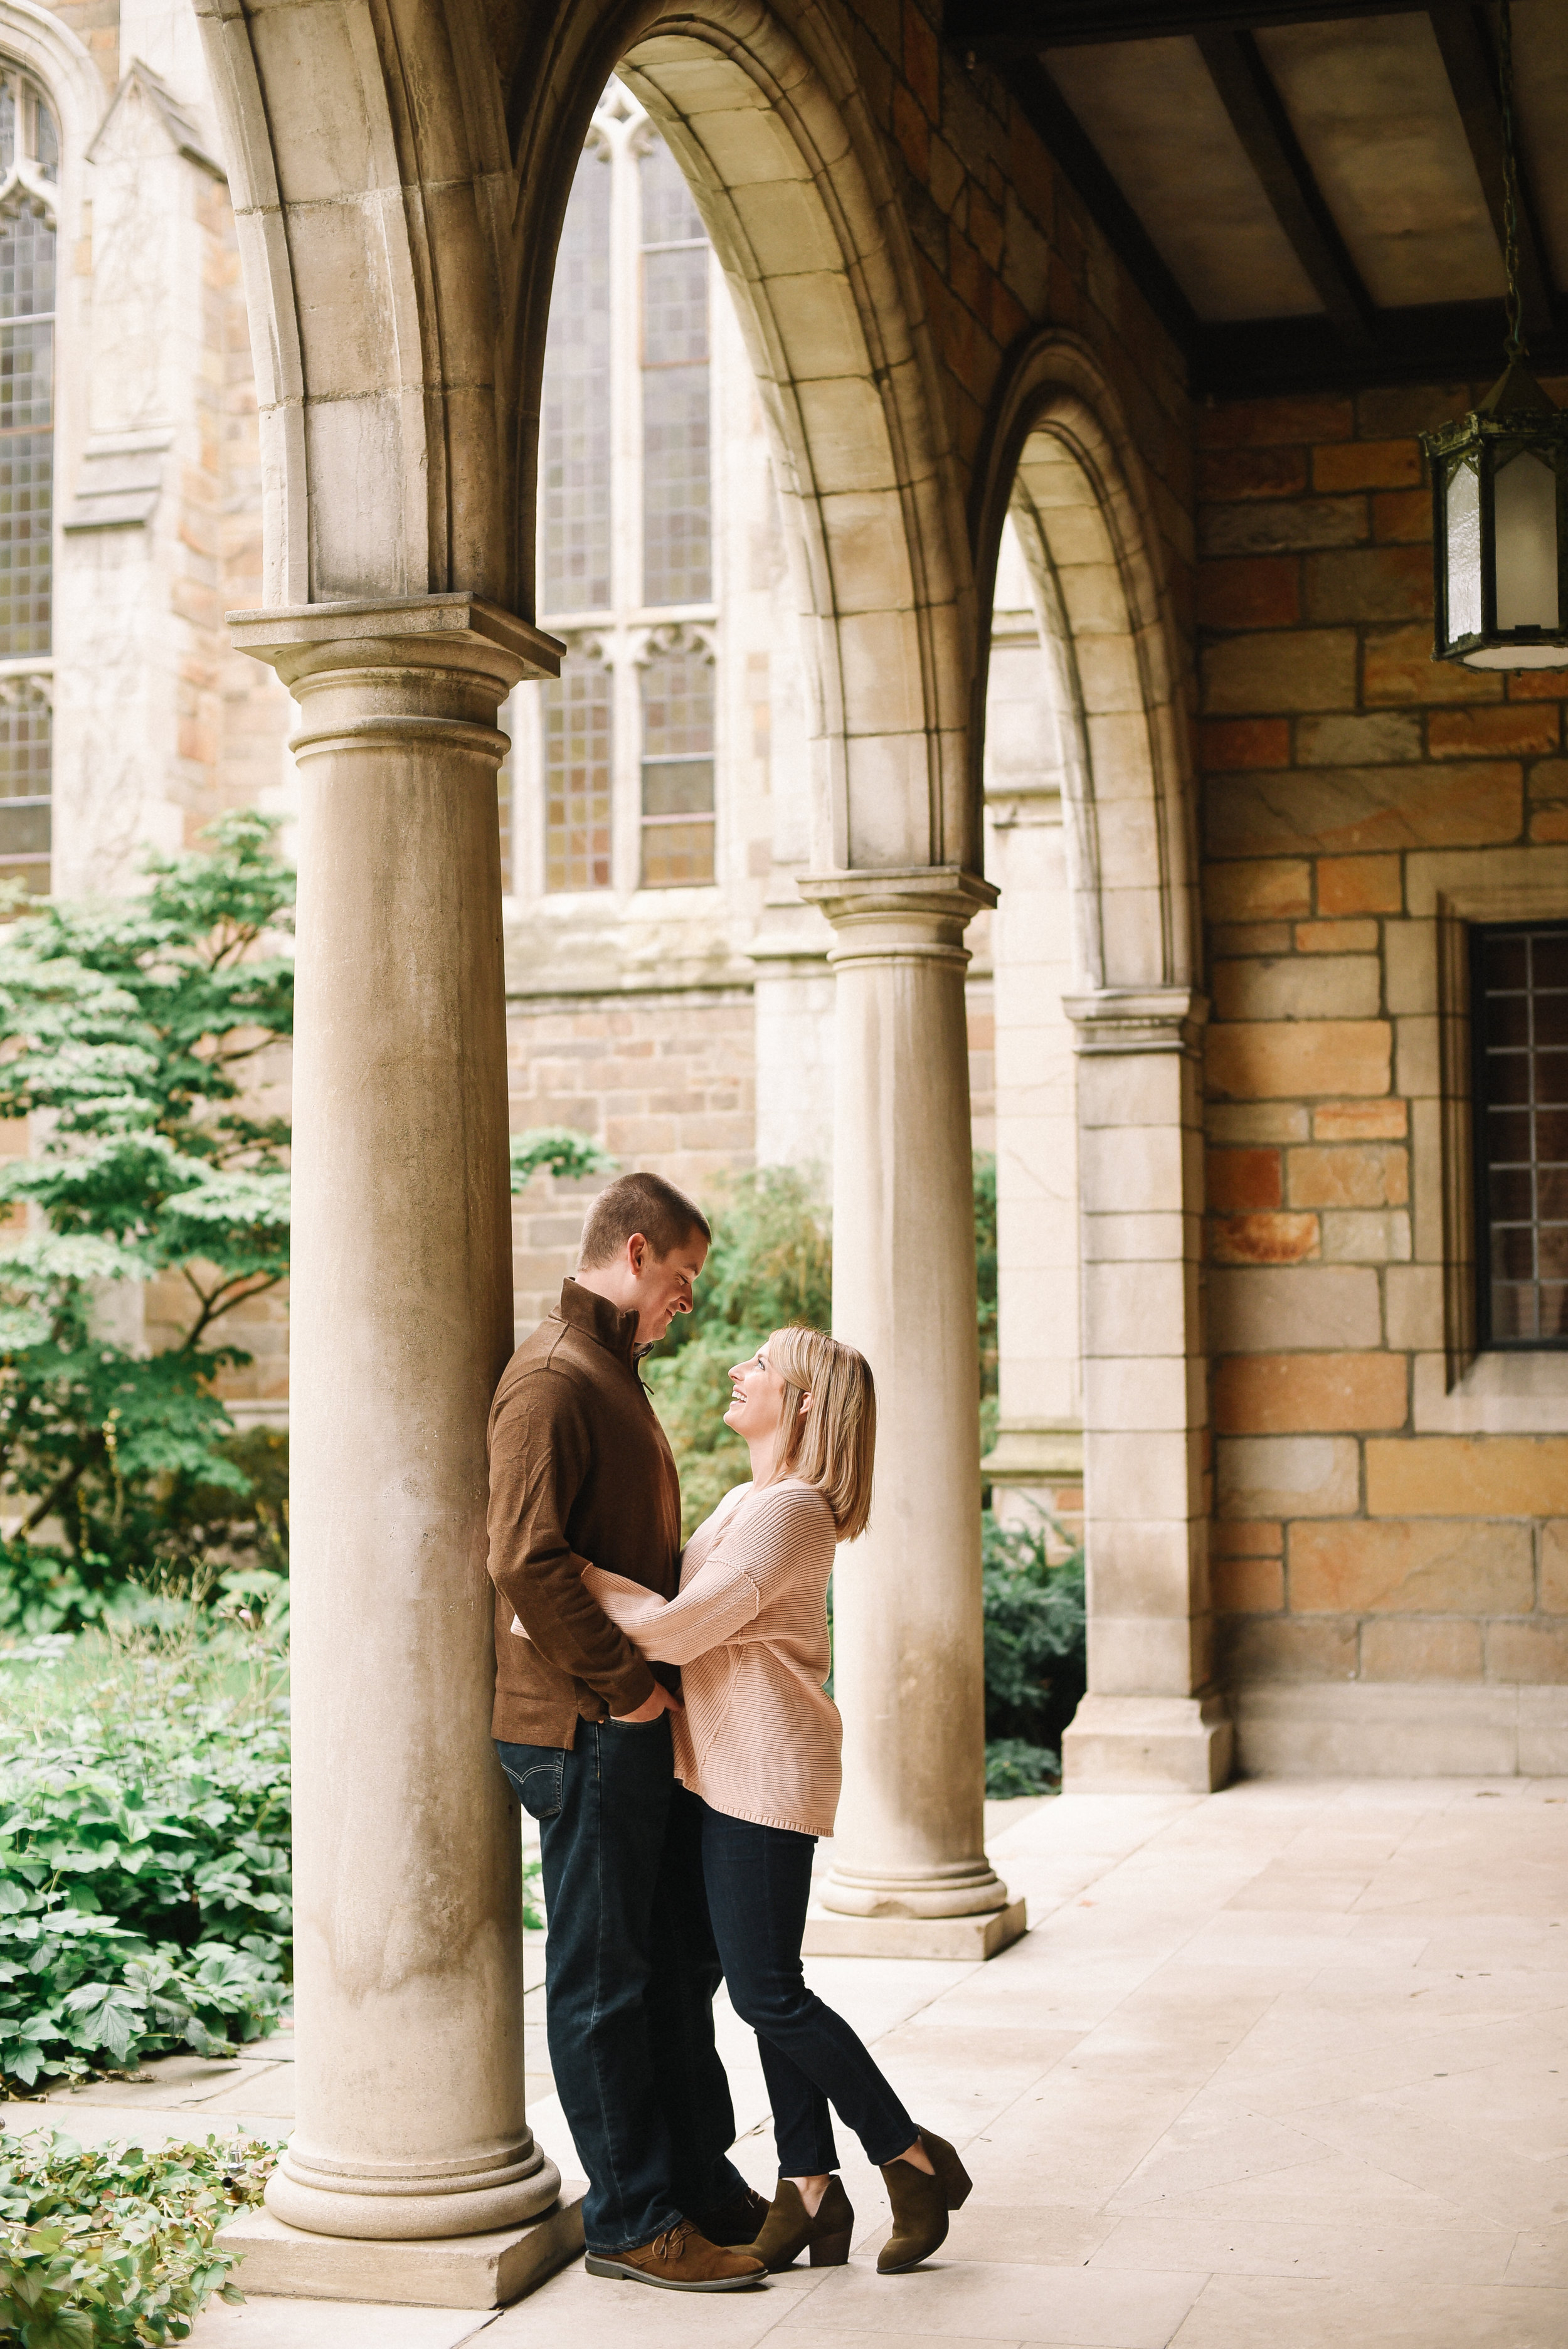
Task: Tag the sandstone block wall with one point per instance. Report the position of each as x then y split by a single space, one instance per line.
1376 1521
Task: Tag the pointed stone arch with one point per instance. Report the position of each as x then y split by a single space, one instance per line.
1060 459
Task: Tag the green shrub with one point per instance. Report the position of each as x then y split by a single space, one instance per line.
771 1264
110 2244
1035 1655
144 1848
561 1152
130 1031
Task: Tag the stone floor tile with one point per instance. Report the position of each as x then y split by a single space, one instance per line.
1046 2235
1088 2308
334 2324
98 2124
1433 2249
1248 2312
575 2308
1540 2257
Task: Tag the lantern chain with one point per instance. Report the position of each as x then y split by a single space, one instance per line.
1516 344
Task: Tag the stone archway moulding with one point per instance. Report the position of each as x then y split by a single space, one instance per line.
1060 459
1060 456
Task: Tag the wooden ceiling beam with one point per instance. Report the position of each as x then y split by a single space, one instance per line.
1070 147
998 28
1261 123
1472 75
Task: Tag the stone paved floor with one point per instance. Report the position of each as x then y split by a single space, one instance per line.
1281 2068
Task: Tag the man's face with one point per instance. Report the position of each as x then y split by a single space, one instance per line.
661 1285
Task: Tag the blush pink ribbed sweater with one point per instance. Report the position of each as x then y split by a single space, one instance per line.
757 1738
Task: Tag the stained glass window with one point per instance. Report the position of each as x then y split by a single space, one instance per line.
1521 1028
29 143
579 720
677 770
676 522
574 458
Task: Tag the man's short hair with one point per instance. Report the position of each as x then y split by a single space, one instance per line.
639 1203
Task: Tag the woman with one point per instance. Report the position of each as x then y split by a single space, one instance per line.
759 1741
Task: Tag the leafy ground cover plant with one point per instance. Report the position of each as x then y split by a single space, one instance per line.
144 1848
131 1033
114 2244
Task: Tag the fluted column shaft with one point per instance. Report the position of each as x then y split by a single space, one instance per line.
909 1657
406 1868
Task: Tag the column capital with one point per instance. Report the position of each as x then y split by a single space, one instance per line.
882 913
1139 1019
303 641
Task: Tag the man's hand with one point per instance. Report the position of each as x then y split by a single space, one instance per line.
661 1701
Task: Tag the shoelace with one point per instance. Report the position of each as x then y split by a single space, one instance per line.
672 2243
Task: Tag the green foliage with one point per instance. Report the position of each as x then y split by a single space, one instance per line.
110 2244
770 1265
144 1845
1015 1766
1036 1655
130 1031
560 1151
985 1267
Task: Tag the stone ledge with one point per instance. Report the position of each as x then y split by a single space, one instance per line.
1400 1729
458 2271
964 1940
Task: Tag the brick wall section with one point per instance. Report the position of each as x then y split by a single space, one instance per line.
1347 1546
669 1084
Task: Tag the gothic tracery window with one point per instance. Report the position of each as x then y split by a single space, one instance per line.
623 745
29 165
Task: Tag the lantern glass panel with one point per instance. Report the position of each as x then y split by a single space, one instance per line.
1464 552
1525 518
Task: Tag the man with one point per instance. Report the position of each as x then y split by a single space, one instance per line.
581 1472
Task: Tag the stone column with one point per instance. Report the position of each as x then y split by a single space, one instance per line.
1151 1717
910 1873
1037 1460
407 1849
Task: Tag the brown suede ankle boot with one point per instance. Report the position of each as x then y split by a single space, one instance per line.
951 2175
919 2217
789 2227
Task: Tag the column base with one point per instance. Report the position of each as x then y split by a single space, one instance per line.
966 1939
1142 1744
452 2271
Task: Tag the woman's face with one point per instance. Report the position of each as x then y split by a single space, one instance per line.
757 1398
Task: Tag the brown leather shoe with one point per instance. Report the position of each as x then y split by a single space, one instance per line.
735 2223
680 2259
790 2227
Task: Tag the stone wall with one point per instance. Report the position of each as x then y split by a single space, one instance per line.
1383 1514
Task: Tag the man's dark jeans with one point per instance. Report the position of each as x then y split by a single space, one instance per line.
631 1969
759 1883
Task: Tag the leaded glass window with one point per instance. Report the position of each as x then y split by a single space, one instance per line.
29 162
676 559
579 737
619 758
677 770
575 473
1520 1018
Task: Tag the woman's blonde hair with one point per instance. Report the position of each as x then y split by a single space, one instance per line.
833 1446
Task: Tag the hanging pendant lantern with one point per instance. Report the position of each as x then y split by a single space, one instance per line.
1499 490
1500 529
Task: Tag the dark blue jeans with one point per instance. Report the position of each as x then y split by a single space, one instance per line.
759 1883
630 1975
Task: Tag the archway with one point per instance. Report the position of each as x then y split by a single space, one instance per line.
1061 468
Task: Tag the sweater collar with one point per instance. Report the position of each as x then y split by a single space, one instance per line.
594 1315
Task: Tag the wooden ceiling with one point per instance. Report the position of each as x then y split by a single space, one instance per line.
1309 193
